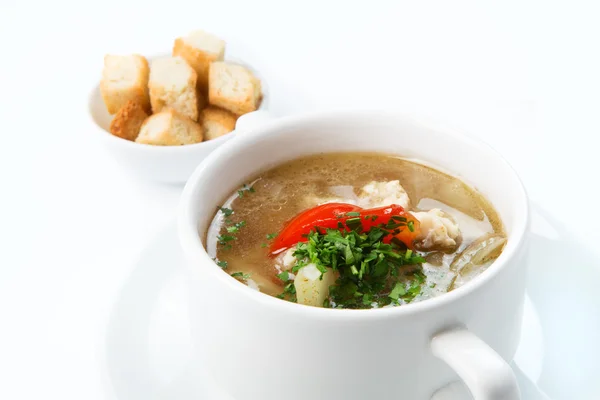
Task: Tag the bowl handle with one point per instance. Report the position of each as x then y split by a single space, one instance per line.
485 373
249 122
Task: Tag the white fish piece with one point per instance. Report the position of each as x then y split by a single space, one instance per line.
439 230
286 260
381 194
313 201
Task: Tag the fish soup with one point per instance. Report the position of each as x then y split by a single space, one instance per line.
355 230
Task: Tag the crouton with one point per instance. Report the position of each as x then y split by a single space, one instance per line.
217 122
124 78
200 49
173 85
169 128
127 122
233 87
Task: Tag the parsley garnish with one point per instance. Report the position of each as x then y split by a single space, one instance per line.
397 291
236 227
231 229
284 276
289 292
222 264
245 188
226 211
241 276
271 236
223 239
371 273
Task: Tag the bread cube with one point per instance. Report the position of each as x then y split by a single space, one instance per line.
169 128
173 85
127 122
124 78
233 87
200 49
217 122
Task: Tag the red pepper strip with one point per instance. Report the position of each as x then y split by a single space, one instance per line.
325 215
329 216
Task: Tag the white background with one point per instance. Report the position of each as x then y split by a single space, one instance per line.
522 75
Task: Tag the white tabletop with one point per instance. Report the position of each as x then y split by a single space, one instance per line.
522 75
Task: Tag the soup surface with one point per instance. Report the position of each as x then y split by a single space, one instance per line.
355 230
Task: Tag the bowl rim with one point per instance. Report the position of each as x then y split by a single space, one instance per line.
94 92
191 241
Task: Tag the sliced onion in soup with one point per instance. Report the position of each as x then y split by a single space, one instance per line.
476 258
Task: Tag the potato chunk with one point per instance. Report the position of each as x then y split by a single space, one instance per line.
310 289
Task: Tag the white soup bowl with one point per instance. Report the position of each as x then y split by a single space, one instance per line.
258 347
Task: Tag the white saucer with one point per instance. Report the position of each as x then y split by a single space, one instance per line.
147 345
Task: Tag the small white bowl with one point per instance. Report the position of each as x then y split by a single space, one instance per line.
164 164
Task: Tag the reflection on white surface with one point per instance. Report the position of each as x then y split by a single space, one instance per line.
169 338
148 347
530 354
563 284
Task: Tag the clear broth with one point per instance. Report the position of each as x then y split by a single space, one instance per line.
280 193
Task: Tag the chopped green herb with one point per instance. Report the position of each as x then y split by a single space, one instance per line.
271 236
223 239
398 291
290 288
245 188
393 225
366 267
263 245
289 292
354 223
241 275
353 214
284 276
411 226
236 227
220 263
226 211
